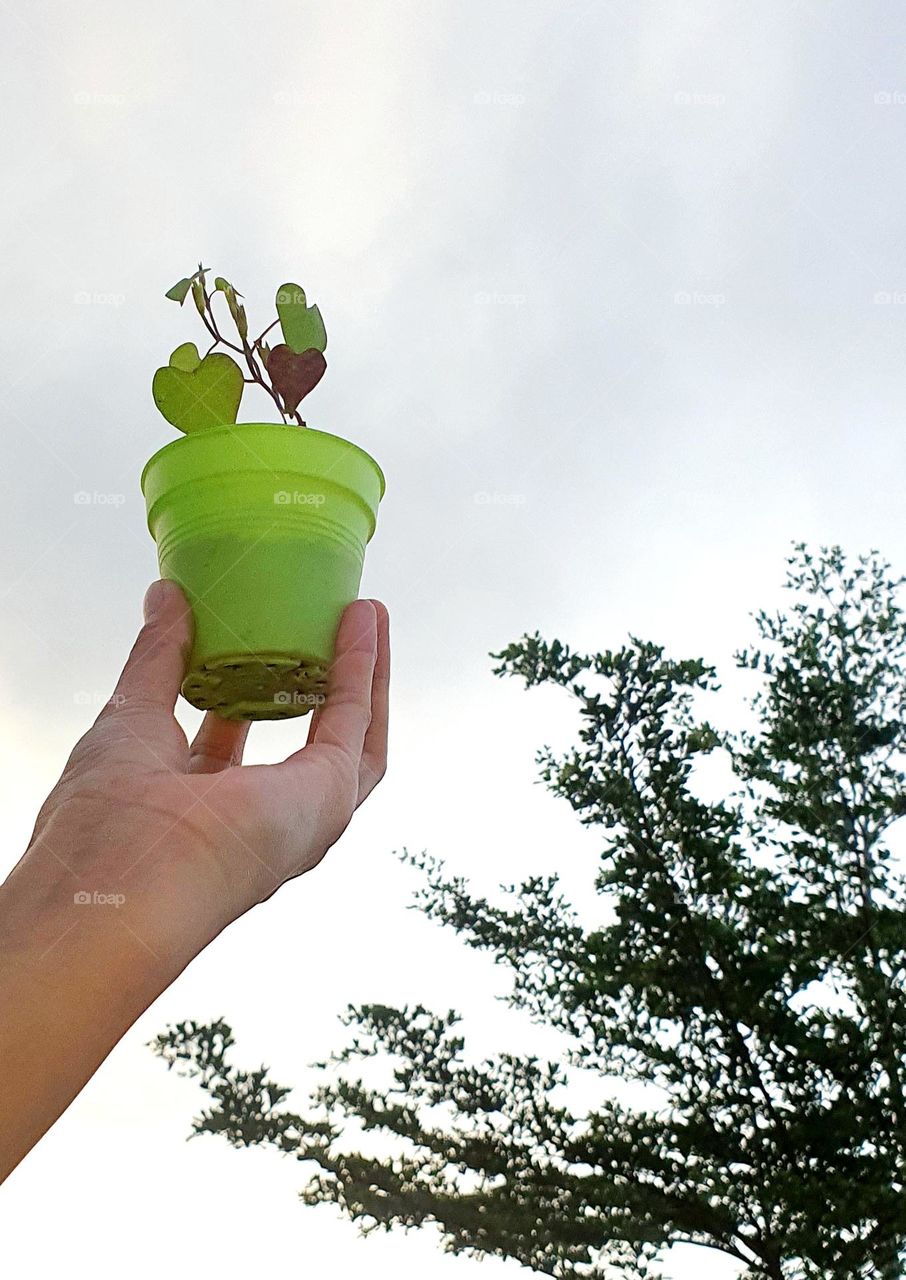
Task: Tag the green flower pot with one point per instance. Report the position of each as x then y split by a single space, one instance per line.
264 527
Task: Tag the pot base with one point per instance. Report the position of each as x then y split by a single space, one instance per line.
256 687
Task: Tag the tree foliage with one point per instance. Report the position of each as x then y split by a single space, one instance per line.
747 967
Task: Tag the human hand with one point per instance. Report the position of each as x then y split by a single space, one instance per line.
180 839
174 815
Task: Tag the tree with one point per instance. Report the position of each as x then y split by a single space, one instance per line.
749 969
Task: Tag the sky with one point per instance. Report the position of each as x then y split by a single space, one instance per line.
616 295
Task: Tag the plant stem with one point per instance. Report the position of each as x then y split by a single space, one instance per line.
263 335
248 353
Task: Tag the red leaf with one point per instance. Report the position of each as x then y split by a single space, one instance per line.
293 374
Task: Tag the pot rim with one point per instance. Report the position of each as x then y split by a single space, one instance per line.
230 428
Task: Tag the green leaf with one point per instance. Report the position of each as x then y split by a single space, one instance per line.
206 396
198 295
302 325
186 358
179 291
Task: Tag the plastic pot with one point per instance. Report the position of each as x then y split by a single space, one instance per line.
264 526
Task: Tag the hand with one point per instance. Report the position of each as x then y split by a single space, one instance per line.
147 847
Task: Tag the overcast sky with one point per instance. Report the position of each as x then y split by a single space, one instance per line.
616 296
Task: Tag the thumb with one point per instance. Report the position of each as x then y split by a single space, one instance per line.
156 666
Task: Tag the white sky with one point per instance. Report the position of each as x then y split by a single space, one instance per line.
638 266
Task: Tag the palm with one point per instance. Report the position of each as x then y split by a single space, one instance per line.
261 824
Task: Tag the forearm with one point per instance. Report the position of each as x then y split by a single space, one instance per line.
74 976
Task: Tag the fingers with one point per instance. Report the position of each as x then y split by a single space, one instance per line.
218 744
344 717
155 668
374 751
307 801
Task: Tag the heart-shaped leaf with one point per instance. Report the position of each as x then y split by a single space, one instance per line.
186 358
206 396
179 291
294 373
302 325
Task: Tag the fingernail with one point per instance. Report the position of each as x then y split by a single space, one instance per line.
154 600
371 631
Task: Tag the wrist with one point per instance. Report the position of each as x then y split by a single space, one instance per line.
88 877
95 948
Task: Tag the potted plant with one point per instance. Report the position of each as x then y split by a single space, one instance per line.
262 524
